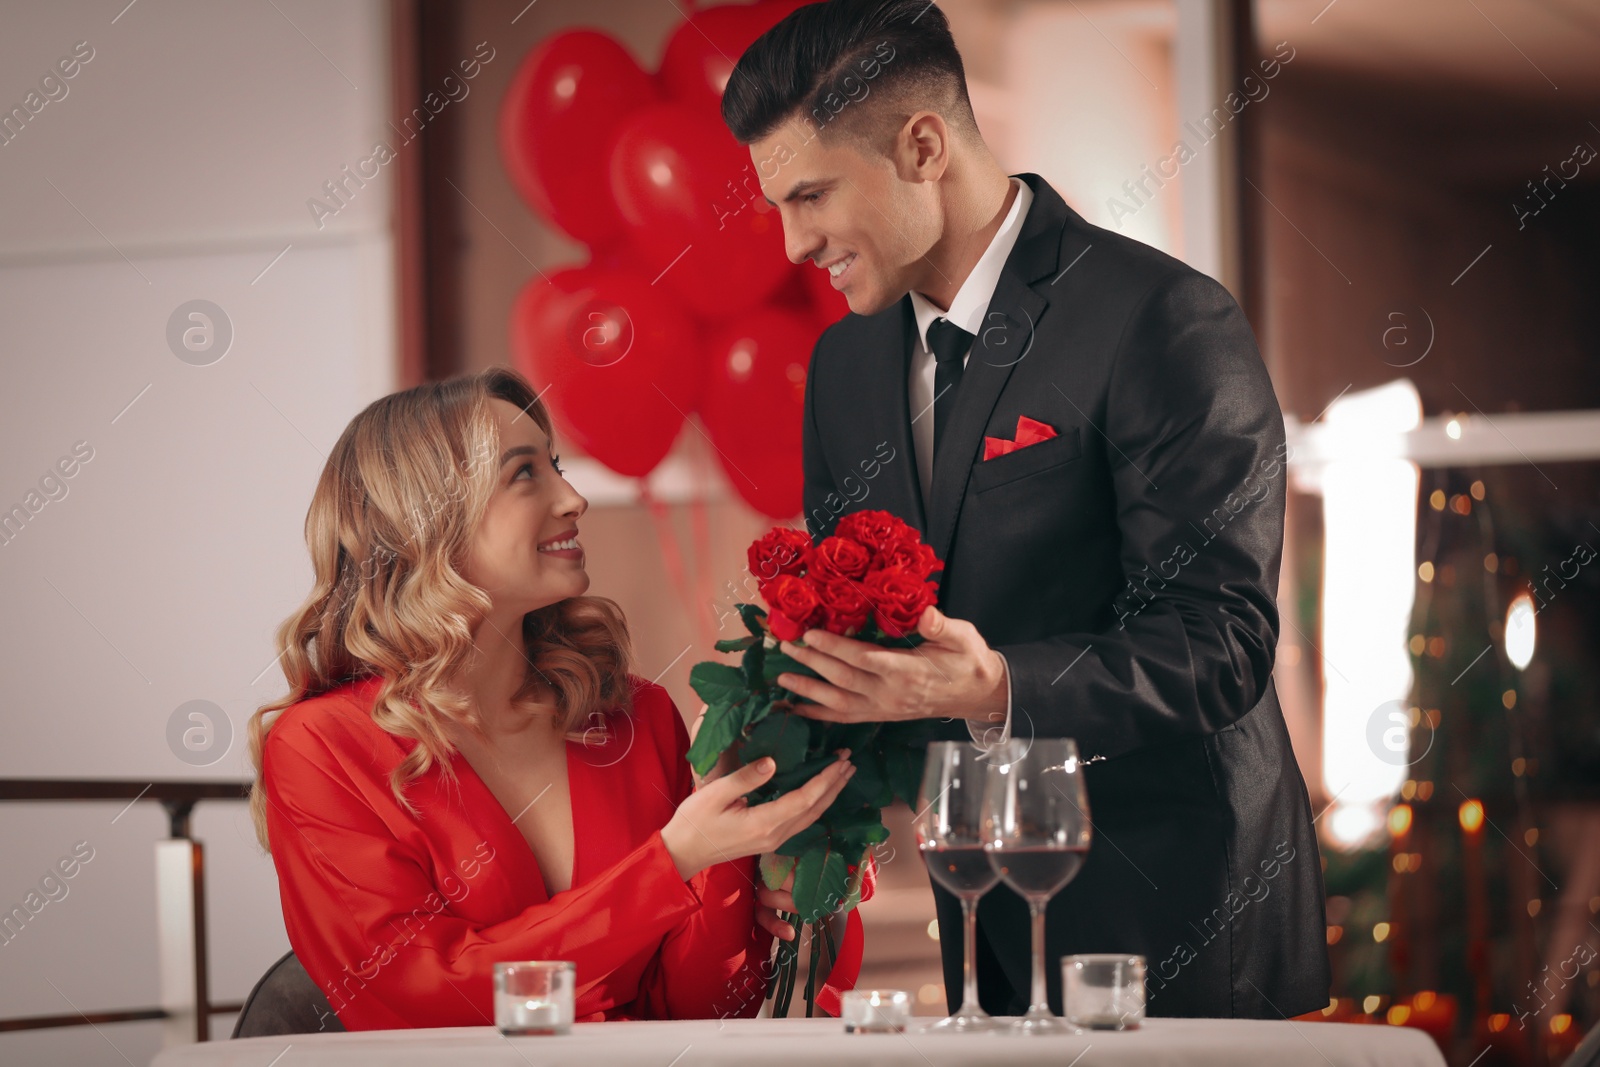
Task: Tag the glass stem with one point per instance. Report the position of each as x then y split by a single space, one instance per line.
1040 999
969 947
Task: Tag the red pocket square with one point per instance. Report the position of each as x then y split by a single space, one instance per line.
1029 432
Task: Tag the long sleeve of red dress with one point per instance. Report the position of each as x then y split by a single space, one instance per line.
399 919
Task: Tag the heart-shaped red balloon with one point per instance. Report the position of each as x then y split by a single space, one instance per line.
695 210
619 357
754 403
556 124
700 55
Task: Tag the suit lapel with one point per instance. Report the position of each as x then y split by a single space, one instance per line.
896 488
1004 338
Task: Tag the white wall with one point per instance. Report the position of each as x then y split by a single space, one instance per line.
1097 81
176 167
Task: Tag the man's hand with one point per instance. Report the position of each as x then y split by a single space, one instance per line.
952 674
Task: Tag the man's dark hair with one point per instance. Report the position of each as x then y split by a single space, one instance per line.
855 68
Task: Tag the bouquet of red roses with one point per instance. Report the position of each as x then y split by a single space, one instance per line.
868 581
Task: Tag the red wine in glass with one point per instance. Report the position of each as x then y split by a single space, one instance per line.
1038 871
962 870
1036 833
949 834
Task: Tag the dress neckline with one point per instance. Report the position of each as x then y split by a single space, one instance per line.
508 828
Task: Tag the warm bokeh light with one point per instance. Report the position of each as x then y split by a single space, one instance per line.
1470 815
1400 820
1520 631
1369 507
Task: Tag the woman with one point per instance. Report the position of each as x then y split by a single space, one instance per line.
465 771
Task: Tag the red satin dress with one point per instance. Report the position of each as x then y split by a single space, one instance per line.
400 919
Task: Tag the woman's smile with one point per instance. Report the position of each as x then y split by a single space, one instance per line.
564 545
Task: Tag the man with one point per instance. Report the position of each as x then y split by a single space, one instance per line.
1111 554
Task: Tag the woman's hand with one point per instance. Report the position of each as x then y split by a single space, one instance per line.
771 903
716 823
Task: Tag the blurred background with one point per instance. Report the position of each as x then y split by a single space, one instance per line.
229 227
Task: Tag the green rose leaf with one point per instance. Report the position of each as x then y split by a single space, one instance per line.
813 836
717 683
783 736
777 663
821 883
775 869
735 644
902 765
869 785
752 616
717 731
757 707
751 665
856 736
800 773
861 825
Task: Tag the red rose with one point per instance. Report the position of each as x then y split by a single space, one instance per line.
877 530
838 557
898 600
844 609
792 607
781 550
914 557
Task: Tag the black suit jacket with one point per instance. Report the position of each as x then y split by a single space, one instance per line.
1128 570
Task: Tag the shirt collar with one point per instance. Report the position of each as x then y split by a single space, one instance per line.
972 299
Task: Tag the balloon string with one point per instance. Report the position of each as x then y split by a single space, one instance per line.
700 520
668 539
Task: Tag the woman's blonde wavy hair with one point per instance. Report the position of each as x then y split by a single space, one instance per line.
389 527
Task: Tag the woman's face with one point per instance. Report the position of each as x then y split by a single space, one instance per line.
525 555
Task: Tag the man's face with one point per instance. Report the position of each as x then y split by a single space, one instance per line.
872 219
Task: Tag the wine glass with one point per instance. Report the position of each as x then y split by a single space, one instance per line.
1036 834
950 836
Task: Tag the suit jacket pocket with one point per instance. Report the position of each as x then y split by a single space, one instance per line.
1033 459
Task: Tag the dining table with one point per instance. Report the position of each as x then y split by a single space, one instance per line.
1160 1042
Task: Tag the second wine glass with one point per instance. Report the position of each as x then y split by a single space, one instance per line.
1036 834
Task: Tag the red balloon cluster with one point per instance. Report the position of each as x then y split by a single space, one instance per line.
688 302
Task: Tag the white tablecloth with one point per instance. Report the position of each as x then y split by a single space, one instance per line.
765 1042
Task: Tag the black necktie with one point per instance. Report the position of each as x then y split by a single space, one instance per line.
950 343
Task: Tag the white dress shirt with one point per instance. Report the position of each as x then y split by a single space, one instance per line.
966 311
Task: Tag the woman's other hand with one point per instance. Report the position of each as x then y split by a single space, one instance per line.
716 823
771 903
